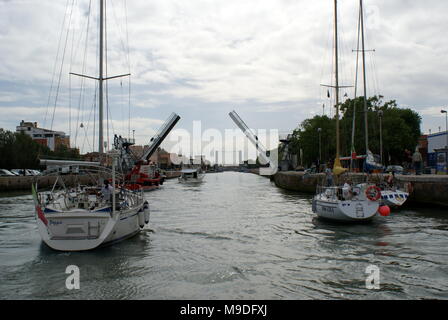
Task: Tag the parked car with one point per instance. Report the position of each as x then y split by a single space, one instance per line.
22 172
6 173
35 172
64 169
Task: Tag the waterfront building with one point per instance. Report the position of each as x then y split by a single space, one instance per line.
161 157
49 138
436 141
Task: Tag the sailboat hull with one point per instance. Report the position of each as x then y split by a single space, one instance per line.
394 199
341 204
345 211
79 231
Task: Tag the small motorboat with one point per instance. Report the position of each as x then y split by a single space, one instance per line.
193 175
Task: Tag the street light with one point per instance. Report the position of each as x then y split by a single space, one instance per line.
319 130
380 114
446 120
446 147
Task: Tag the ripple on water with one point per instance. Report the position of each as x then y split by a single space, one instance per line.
236 236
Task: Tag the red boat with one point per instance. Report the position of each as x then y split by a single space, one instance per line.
147 176
140 172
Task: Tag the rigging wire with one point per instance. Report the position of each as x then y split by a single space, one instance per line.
62 66
325 58
83 68
70 87
355 90
107 73
86 128
55 62
129 68
375 74
344 65
120 29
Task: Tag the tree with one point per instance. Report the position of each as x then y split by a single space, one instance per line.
306 138
20 151
400 130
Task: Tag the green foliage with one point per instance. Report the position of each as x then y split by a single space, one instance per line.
62 152
306 138
20 151
400 130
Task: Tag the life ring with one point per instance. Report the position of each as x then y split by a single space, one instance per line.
369 193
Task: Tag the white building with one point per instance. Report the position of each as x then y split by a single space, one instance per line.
45 137
436 141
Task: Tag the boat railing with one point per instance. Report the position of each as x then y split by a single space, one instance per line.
340 193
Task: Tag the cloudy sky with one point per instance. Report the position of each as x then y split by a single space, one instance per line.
202 59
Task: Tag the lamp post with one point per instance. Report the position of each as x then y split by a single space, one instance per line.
319 130
446 147
380 114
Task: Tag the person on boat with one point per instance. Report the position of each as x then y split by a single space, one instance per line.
407 159
107 190
391 179
329 176
417 161
347 190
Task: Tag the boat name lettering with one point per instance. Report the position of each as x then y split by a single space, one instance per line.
328 209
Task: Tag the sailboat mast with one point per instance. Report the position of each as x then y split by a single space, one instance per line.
364 76
356 92
100 79
337 76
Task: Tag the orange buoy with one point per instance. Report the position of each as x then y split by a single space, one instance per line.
384 211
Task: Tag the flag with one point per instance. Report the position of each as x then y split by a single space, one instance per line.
40 213
353 152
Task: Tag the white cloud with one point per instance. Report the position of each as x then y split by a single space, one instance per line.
267 56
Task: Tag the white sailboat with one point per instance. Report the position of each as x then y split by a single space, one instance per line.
83 216
337 203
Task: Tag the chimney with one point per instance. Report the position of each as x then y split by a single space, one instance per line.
35 124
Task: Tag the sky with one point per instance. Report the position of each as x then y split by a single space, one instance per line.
266 59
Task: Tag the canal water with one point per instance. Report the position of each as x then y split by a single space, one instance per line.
235 236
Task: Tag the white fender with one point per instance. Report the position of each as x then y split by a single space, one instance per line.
141 218
146 211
